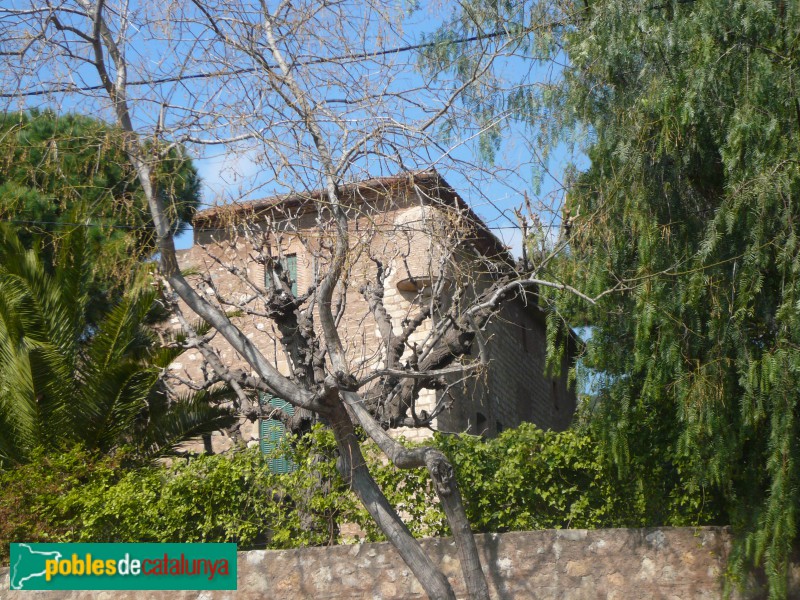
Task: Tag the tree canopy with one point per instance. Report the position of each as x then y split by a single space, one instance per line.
692 200
56 169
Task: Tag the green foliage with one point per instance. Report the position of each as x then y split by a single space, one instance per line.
58 170
30 506
64 381
80 496
524 479
215 498
527 478
531 479
693 197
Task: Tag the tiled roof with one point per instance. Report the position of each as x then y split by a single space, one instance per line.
429 179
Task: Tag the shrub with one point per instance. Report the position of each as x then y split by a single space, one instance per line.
524 479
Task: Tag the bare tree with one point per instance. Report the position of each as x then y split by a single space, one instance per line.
309 92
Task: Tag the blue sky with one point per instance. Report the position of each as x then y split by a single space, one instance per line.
241 174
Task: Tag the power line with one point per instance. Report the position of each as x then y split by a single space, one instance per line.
145 226
67 224
314 61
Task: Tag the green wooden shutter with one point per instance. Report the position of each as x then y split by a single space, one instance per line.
289 264
272 431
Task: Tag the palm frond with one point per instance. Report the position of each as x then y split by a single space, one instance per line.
189 417
63 381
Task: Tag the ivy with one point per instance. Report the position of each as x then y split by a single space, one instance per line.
524 479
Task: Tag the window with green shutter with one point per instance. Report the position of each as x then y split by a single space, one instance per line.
289 265
272 431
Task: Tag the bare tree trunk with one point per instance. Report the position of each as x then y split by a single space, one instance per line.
443 476
353 468
444 482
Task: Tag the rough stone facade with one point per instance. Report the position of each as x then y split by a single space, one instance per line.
407 224
622 564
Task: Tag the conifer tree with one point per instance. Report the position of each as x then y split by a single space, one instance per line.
54 166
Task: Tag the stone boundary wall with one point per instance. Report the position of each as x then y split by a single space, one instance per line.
575 564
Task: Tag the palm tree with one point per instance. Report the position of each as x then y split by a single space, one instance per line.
65 382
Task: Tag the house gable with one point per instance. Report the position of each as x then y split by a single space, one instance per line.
399 222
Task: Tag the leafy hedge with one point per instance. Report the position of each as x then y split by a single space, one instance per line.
524 479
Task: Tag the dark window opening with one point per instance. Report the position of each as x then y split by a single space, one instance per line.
480 424
556 396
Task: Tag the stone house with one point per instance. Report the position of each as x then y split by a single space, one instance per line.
423 237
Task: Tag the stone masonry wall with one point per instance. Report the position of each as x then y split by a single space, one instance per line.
514 389
408 237
629 564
